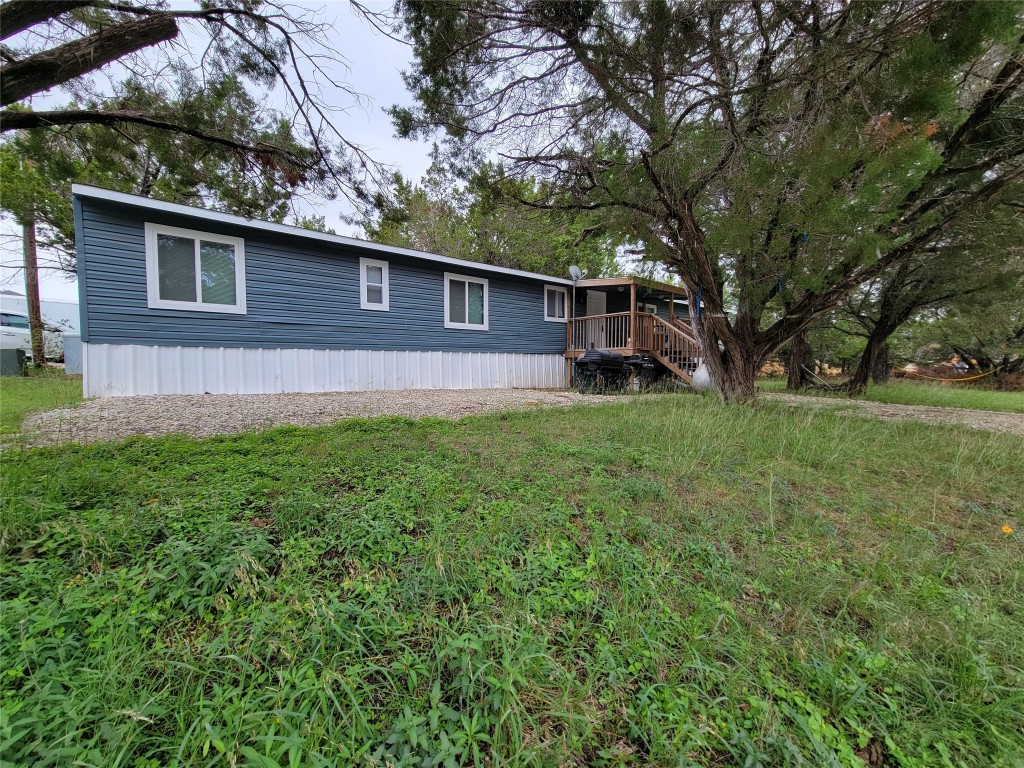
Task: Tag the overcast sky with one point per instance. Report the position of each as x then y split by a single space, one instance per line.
376 63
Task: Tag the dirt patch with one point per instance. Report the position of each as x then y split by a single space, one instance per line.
993 421
113 418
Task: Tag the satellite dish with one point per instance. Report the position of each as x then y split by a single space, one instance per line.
575 273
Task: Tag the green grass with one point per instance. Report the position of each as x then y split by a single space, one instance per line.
672 583
22 395
771 385
920 393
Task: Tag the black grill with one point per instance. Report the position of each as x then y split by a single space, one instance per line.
647 370
601 369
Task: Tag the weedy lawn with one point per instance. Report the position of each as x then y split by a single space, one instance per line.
670 582
921 393
42 391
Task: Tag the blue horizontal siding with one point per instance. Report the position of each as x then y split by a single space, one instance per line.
299 294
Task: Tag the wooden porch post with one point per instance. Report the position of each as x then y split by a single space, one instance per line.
672 308
632 316
570 341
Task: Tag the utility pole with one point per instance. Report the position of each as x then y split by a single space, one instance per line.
35 317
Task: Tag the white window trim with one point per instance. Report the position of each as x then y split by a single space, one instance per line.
385 306
651 309
565 304
449 276
153 272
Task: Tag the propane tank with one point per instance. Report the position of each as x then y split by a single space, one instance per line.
702 378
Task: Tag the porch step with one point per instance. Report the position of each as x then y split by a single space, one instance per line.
684 372
678 350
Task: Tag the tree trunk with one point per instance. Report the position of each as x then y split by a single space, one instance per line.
868 360
733 370
732 358
881 369
35 319
800 354
736 383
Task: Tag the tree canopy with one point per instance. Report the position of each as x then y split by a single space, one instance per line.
40 165
971 264
485 220
771 154
255 78
986 328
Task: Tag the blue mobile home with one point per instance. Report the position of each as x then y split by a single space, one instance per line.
181 300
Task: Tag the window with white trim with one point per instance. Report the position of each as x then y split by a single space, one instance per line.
555 301
650 309
197 271
373 284
465 302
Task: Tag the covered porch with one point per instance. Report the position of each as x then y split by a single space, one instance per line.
631 315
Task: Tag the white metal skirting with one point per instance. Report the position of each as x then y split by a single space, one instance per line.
135 369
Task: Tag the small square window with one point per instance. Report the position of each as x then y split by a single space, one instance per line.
373 285
555 304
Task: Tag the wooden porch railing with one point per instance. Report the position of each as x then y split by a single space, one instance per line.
670 342
603 331
645 335
685 328
676 348
652 334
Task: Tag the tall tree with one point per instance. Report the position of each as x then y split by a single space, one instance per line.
888 304
982 262
239 45
991 332
25 193
782 154
485 219
985 326
147 161
426 216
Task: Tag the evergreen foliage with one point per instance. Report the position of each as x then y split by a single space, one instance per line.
775 157
490 219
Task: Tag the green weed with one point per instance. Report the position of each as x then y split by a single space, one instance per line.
662 582
42 391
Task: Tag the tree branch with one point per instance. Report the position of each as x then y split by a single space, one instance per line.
45 70
18 15
11 120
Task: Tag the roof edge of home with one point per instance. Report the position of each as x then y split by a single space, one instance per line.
107 195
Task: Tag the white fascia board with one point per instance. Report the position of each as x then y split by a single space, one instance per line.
106 195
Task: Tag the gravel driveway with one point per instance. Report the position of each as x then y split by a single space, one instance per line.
203 415
994 421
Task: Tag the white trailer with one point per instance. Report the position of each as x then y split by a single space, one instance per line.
63 314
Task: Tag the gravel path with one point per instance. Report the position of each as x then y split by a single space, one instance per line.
994 421
203 415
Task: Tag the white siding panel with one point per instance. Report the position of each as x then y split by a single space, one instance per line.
112 370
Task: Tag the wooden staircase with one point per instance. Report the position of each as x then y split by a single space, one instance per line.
670 342
673 345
